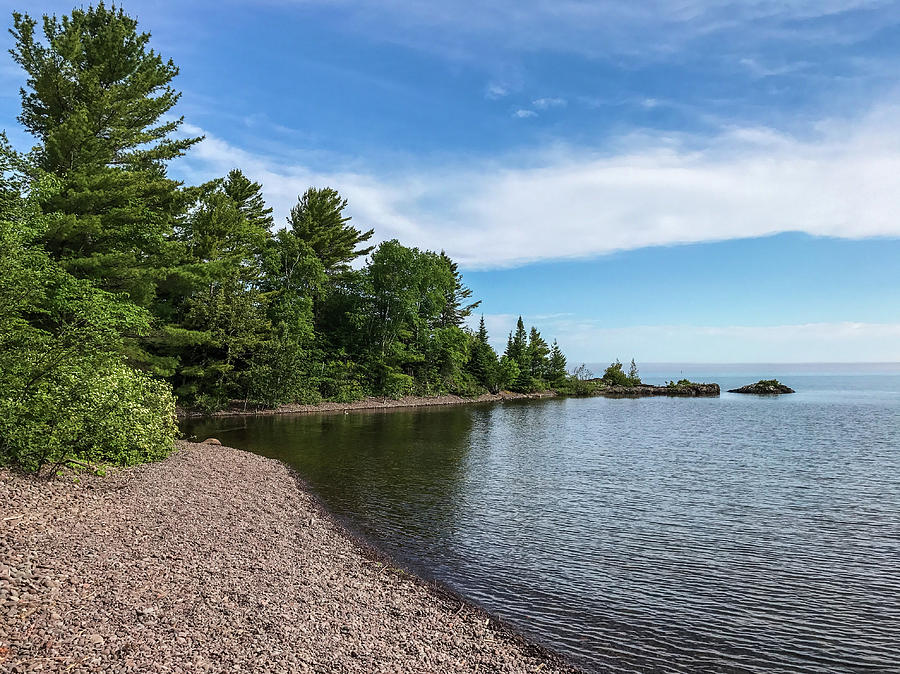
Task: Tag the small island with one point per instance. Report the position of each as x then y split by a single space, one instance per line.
764 387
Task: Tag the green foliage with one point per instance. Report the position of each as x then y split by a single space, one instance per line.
318 219
483 365
85 411
580 383
119 285
556 366
615 375
681 383
97 100
65 392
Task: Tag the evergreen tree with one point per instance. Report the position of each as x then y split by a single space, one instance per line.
319 220
483 362
482 334
97 98
249 199
517 346
537 354
456 311
556 370
633 377
221 322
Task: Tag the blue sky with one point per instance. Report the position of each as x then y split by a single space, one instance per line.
692 180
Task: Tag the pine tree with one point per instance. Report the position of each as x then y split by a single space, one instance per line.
517 346
556 371
482 334
537 354
633 377
483 363
249 199
319 220
97 100
456 311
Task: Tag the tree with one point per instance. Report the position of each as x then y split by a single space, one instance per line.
483 362
615 375
633 377
556 368
319 220
517 346
249 199
221 324
65 393
97 99
456 311
537 354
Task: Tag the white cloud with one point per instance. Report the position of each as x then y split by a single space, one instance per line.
650 190
645 30
495 91
546 103
524 114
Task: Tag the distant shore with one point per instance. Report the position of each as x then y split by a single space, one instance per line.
238 408
219 560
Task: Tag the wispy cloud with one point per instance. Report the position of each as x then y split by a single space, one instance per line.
647 30
652 189
496 91
524 113
546 103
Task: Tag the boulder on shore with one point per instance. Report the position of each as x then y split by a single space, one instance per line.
764 387
211 441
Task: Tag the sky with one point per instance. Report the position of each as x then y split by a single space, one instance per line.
678 181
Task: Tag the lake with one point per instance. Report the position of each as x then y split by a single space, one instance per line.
731 534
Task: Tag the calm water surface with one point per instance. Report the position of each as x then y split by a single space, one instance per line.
743 533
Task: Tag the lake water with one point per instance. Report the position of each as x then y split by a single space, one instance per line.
740 533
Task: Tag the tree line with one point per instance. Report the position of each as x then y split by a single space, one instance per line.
123 290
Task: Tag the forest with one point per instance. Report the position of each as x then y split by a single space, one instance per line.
124 292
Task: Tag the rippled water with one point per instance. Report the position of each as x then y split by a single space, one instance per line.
742 533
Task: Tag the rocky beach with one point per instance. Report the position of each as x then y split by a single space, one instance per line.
218 560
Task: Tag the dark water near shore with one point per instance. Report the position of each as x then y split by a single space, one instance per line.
742 533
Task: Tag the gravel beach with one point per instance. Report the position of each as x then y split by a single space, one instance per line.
218 560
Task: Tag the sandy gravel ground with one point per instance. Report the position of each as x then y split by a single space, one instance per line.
217 560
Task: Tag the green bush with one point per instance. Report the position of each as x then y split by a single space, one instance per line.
681 383
106 414
615 375
397 385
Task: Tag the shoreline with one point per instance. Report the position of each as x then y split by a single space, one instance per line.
370 403
217 559
237 409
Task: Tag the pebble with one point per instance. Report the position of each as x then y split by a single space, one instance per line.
216 560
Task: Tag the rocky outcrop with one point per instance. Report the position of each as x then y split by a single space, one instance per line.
766 387
691 390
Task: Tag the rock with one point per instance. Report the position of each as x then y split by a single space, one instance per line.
211 441
691 390
764 387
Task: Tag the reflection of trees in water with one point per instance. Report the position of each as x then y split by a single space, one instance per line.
394 474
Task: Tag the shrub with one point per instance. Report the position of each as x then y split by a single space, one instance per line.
84 413
615 375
